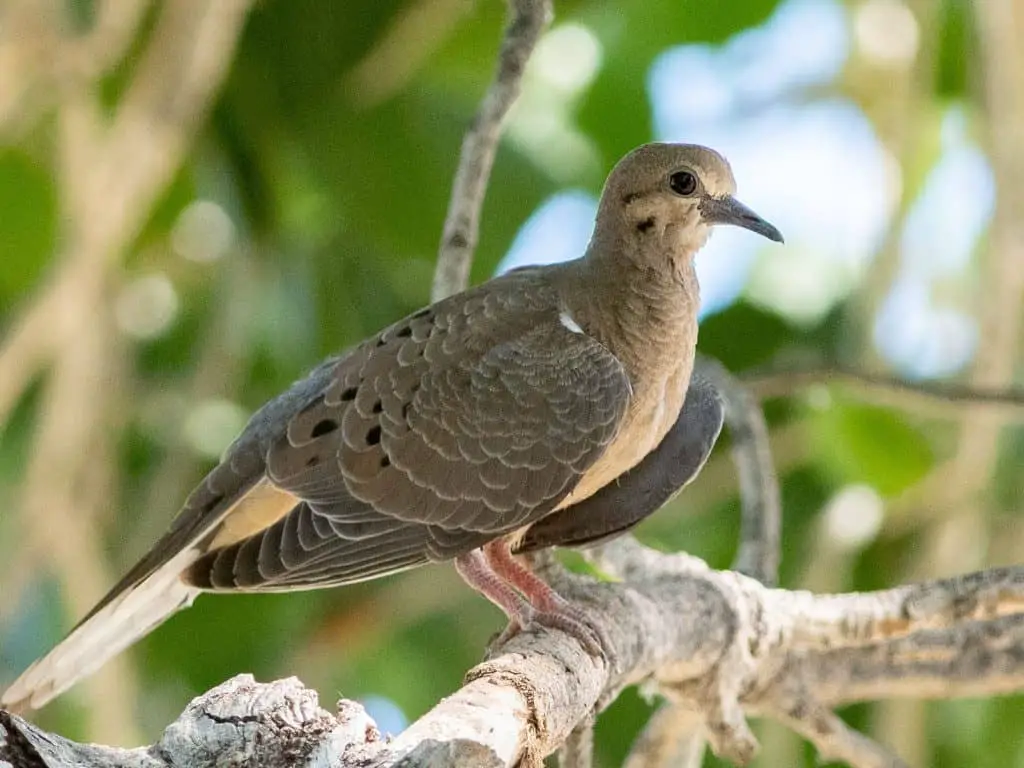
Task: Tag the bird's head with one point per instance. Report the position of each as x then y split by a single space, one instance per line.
672 195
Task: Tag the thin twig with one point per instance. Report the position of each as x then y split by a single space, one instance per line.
578 749
889 390
528 20
672 738
761 513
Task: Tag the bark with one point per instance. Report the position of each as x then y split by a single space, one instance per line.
716 643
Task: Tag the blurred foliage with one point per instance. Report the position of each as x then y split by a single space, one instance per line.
336 195
29 232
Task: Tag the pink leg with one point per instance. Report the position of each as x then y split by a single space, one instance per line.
547 607
537 591
479 574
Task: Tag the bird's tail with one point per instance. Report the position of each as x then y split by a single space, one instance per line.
102 635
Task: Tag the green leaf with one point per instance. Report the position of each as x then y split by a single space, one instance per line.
957 37
28 234
743 336
868 444
1008 489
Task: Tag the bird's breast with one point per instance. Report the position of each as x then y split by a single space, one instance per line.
654 409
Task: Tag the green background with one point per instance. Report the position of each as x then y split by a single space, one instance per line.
337 193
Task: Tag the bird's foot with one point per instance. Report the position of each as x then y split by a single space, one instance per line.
574 622
528 600
545 607
578 624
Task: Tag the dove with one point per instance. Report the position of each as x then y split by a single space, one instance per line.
550 406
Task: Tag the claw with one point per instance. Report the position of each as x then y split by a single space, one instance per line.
528 600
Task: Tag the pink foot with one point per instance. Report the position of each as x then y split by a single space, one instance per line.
527 599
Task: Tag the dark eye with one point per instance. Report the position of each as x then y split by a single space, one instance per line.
683 183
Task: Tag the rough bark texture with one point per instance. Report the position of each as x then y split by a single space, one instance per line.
717 643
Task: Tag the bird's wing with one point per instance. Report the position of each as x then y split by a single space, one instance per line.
456 426
466 420
235 493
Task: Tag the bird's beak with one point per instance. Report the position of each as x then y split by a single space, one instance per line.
729 210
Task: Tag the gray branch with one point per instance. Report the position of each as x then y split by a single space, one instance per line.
717 644
527 21
761 516
940 398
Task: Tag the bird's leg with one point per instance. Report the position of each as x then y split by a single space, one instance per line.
538 592
548 608
481 576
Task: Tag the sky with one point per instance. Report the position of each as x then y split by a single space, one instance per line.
809 162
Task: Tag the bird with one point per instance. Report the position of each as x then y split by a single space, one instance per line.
550 406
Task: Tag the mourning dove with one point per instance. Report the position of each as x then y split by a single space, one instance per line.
543 407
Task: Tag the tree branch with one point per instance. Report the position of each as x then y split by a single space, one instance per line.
761 519
940 397
527 21
719 643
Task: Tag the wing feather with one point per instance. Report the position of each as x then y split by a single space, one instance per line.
453 427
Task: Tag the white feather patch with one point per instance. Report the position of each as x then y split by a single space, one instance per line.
566 319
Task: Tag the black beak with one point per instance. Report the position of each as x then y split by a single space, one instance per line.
729 210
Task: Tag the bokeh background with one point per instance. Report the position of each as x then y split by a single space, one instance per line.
884 137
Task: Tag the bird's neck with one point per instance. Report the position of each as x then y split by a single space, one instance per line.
646 314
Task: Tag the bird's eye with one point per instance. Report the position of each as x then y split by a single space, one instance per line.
683 183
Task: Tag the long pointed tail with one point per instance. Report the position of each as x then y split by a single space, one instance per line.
104 634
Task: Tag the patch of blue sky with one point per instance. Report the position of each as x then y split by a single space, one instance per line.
388 716
815 168
921 336
953 209
557 231
918 338
702 83
764 63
